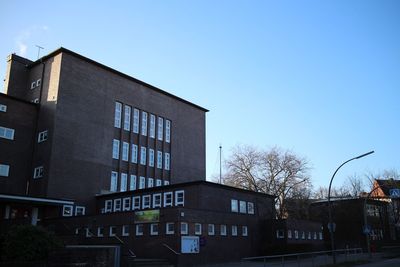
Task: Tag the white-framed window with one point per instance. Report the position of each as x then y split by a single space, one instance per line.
152 126
244 231
242 206
127 118
158 182
7 133
135 120
38 172
125 230
142 155
144 123
234 230
168 199
180 198
4 170
134 153
125 151
296 234
197 228
280 234
320 236
184 228
289 234
154 229
167 131
33 85
309 235
136 203
157 200
150 182
151 157
42 136
169 228
80 210
160 128
115 152
250 207
234 205
146 202
68 211
3 108
139 229
166 182
88 232
114 181
113 231
167 161
223 229
132 184
38 82
159 159
108 205
124 182
100 231
117 204
142 182
126 203
211 229
117 115
315 235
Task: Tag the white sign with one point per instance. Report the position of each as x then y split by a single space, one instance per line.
190 244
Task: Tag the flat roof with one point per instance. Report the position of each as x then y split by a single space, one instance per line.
39 200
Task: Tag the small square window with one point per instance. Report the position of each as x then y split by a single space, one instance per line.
169 228
146 203
79 211
244 231
88 232
113 230
125 230
139 229
117 204
3 108
4 170
68 210
211 229
33 85
197 229
126 205
42 136
280 234
136 203
234 230
184 228
154 229
157 200
38 82
38 172
223 230
100 231
108 205
289 234
168 199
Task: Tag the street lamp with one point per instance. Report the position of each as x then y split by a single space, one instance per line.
330 225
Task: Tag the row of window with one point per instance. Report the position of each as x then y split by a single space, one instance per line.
150 201
68 211
143 155
128 120
134 183
280 234
154 230
242 206
36 83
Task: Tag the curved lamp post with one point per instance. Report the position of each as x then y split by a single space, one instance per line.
330 225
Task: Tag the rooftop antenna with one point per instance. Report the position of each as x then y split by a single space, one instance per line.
220 164
38 52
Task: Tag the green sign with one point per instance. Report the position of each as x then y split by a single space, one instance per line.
147 216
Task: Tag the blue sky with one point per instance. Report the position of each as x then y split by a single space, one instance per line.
321 78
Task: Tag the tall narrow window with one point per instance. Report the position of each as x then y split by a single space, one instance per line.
167 161
114 181
117 204
127 118
151 157
234 230
157 200
152 126
158 182
4 170
146 202
150 183
117 116
242 206
168 199
132 184
184 228
125 151
136 203
135 120
234 205
144 123
115 153
159 159
211 229
142 155
223 230
134 155
139 229
124 181
244 231
160 128
197 228
180 198
167 131
7 133
126 203
142 182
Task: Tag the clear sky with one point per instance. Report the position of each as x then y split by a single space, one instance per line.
321 78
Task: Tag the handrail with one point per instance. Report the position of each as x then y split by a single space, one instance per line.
171 249
131 253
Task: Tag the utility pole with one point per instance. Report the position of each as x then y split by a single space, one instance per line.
220 164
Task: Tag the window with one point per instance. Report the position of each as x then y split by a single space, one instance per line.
250 207
167 131
100 231
320 236
135 120
114 181
124 182
139 229
167 161
303 235
180 198
234 230
280 234
88 233
152 126
197 228
211 229
127 118
168 199
166 182
38 172
158 182
38 82
159 159
125 230
315 235
6 133
184 228
142 182
144 123
117 116
36 100
154 229
126 203
223 230
67 210
136 203
42 136
134 153
4 170
108 205
156 200
117 204
125 151
113 231
234 205
150 183
146 203
79 211
244 231
33 85
289 234
151 157
309 235
142 155
242 206
3 108
169 228
132 184
160 129
115 153
296 234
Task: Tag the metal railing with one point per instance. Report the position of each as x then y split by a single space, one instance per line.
171 249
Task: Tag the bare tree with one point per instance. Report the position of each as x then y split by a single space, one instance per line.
275 171
355 185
